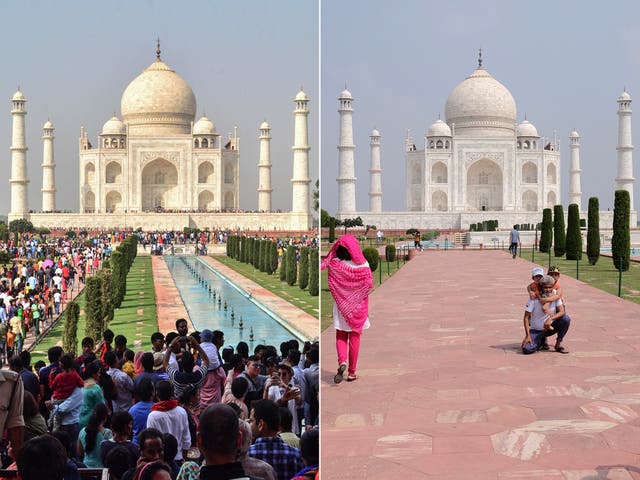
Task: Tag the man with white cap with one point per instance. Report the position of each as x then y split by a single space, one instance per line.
538 324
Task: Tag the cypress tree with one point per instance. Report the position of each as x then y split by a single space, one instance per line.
546 231
332 229
390 253
283 267
70 334
256 253
621 240
559 236
593 231
273 258
292 265
118 278
93 307
574 238
107 306
303 276
263 255
314 273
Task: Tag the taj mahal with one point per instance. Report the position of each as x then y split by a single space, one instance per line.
158 168
477 164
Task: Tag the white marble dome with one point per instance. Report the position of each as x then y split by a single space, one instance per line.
114 126
481 106
624 96
47 125
301 96
526 129
264 125
375 133
204 126
574 134
439 129
18 96
158 101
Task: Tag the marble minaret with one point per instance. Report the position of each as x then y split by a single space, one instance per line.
19 178
300 180
375 172
575 193
264 169
48 170
625 180
346 162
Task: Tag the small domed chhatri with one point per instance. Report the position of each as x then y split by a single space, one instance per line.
439 129
18 96
114 126
204 126
301 96
526 129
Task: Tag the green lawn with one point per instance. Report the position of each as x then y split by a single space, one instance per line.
292 294
602 275
382 273
136 319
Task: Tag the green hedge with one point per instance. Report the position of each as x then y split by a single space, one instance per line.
372 256
621 240
593 231
303 275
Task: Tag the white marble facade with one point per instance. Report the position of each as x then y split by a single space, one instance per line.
480 160
156 159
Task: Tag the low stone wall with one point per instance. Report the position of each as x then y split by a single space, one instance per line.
286 221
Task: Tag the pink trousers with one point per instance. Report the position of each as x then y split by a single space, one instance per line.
352 339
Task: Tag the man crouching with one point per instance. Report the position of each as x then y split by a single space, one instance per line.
539 325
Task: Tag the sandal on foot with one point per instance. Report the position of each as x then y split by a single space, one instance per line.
544 346
352 378
340 375
560 350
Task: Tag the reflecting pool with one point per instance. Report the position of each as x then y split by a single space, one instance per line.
214 302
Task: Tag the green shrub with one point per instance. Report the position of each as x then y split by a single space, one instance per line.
574 237
390 253
107 306
559 235
118 278
70 332
621 240
372 256
314 273
303 274
593 231
292 265
273 258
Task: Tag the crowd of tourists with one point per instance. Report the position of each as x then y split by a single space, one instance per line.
188 408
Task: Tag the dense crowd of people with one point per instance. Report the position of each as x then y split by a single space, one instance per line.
189 407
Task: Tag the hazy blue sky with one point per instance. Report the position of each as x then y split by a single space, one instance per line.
565 64
245 62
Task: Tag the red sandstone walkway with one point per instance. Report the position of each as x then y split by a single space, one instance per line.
445 394
168 301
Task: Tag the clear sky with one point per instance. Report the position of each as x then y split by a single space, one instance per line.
245 61
565 64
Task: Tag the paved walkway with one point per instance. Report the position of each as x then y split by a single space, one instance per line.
169 304
444 392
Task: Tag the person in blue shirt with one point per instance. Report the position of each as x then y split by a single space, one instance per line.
145 393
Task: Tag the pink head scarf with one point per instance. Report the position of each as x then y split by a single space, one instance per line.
349 285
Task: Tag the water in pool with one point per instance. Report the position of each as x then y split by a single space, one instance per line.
215 303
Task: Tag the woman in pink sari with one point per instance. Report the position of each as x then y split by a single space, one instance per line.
350 281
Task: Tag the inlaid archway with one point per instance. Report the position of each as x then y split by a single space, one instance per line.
160 185
484 186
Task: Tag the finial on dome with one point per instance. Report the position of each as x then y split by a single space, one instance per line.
438 115
158 49
525 116
480 57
